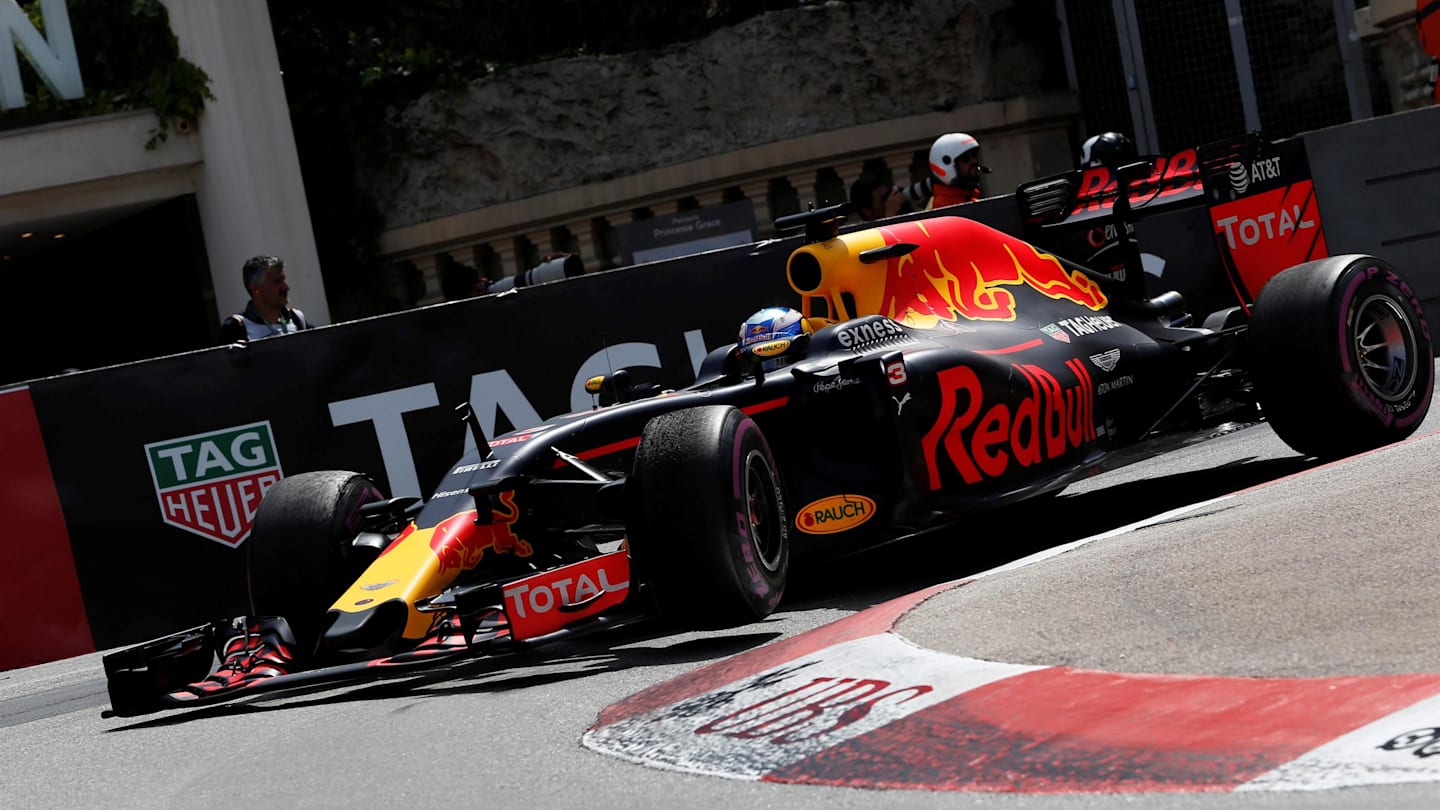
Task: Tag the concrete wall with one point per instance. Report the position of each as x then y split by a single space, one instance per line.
1378 185
1021 138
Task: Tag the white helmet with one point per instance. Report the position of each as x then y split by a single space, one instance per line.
945 151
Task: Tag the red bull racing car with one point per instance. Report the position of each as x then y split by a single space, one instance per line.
932 367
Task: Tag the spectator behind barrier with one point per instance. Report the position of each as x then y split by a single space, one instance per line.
876 198
459 281
268 312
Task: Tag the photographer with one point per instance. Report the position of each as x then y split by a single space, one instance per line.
876 198
955 170
955 165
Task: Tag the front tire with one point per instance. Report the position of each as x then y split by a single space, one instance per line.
1343 356
708 531
299 557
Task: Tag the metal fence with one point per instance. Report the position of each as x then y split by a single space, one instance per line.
1174 73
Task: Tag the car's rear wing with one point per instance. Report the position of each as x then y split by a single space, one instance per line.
1259 194
1262 208
1086 195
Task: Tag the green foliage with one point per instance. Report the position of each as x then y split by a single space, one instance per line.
129 60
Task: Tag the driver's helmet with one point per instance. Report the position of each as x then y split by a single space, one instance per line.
773 323
946 151
1107 149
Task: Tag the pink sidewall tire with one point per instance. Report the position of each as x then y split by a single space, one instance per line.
1343 361
708 529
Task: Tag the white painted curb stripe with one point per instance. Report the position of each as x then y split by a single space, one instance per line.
1399 748
748 728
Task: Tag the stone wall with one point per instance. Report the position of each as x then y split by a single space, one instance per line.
777 76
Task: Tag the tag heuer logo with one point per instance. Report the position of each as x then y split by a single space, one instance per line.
211 483
1055 332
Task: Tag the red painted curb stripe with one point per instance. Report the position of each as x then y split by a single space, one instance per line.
873 621
1065 730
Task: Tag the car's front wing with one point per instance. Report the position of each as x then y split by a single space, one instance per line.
583 597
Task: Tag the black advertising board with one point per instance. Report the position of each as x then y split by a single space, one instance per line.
158 465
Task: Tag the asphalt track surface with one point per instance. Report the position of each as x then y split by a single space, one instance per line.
1309 572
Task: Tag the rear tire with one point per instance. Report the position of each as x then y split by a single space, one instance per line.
299 557
709 533
1343 359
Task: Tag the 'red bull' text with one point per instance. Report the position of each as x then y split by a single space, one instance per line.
981 439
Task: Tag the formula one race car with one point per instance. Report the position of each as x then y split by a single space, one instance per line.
933 367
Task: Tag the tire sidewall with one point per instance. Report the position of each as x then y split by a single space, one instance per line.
762 584
688 524
297 558
1305 360
1361 281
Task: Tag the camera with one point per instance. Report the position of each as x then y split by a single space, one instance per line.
556 269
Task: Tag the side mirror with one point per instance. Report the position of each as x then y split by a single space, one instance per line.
624 385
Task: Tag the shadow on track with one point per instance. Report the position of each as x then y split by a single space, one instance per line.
642 645
989 539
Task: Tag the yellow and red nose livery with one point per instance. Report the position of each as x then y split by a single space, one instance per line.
961 269
422 562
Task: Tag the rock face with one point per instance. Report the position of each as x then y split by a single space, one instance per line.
779 75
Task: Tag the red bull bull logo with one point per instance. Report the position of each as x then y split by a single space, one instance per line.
985 438
960 269
460 543
963 269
